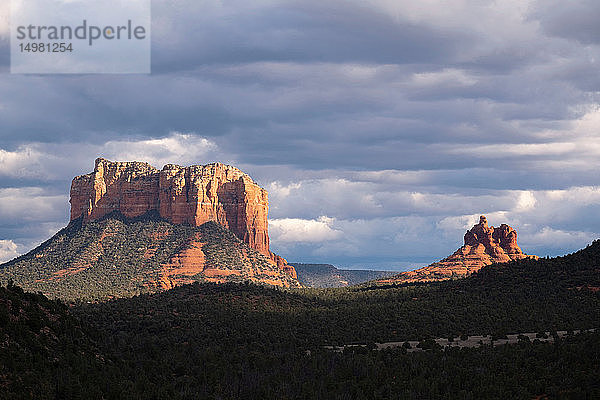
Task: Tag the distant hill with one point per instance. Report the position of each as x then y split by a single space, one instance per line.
115 256
327 276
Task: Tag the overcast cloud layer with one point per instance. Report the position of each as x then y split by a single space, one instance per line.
381 128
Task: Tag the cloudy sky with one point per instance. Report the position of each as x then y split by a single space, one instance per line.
381 128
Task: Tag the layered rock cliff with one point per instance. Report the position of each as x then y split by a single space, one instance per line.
483 245
181 195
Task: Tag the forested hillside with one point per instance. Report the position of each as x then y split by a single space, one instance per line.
44 351
120 257
233 341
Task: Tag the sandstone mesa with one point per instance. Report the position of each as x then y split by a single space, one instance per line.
193 195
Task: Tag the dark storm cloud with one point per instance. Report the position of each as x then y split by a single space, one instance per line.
96 109
300 31
577 20
197 100
373 124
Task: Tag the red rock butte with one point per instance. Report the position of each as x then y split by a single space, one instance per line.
192 195
483 245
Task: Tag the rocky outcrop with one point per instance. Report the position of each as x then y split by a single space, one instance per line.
128 187
181 195
483 245
283 264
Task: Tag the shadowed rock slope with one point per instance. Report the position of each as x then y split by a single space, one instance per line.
118 257
484 245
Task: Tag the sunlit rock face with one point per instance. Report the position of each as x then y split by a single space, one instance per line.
483 245
181 195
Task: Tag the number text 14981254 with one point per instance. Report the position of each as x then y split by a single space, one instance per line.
46 47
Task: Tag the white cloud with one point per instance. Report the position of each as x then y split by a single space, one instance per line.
525 201
32 204
392 176
460 222
303 230
445 77
373 194
282 191
177 148
581 195
339 197
65 160
515 149
8 250
574 146
589 122
547 236
385 243
22 163
381 219
456 225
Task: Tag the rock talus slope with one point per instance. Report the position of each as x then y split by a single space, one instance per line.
119 257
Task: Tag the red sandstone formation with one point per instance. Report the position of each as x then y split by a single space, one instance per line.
190 262
484 245
193 195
